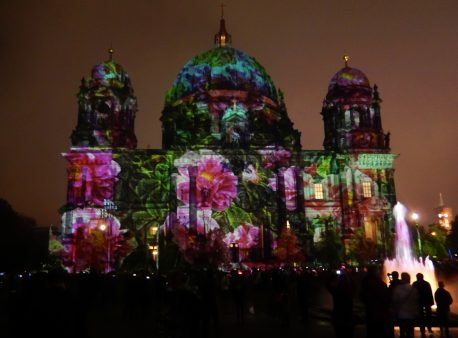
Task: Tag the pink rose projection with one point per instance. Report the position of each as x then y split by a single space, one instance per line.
246 236
275 158
92 177
96 241
91 219
212 250
216 185
205 222
290 187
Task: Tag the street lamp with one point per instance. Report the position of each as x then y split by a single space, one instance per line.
415 217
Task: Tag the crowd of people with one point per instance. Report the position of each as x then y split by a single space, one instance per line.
183 304
178 304
386 306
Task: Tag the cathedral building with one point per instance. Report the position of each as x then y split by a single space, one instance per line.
231 173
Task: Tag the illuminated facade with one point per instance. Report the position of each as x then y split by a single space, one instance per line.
231 172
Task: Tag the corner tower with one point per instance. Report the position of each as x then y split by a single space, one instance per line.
106 108
105 127
351 114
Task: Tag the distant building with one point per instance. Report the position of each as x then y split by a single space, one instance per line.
231 165
444 214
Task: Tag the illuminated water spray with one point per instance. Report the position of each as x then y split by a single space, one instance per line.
404 261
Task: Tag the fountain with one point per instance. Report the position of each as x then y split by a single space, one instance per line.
404 261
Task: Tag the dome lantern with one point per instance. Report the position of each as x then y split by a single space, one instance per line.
222 38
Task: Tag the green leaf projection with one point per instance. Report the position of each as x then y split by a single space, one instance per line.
231 174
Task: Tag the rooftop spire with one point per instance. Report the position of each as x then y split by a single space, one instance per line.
441 200
222 38
346 58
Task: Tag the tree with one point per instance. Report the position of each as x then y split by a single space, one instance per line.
452 237
362 250
23 245
329 250
287 250
434 242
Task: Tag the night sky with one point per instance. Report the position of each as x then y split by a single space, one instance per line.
408 48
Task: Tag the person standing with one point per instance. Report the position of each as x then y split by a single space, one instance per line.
443 301
405 303
425 301
376 298
342 311
394 281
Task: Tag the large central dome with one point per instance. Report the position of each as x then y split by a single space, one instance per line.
220 68
225 98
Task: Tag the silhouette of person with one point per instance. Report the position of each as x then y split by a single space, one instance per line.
237 289
405 302
443 301
208 292
394 281
303 295
376 298
425 301
342 311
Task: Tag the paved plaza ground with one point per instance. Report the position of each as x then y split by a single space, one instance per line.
255 325
259 322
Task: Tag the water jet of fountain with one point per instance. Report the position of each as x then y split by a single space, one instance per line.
404 261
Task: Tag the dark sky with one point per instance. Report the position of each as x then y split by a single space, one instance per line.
408 48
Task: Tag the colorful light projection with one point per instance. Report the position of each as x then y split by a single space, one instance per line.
204 184
224 98
232 171
222 68
353 197
206 201
230 209
216 184
290 186
107 108
96 241
91 177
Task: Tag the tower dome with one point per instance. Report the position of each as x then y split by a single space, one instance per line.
108 74
349 86
107 108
